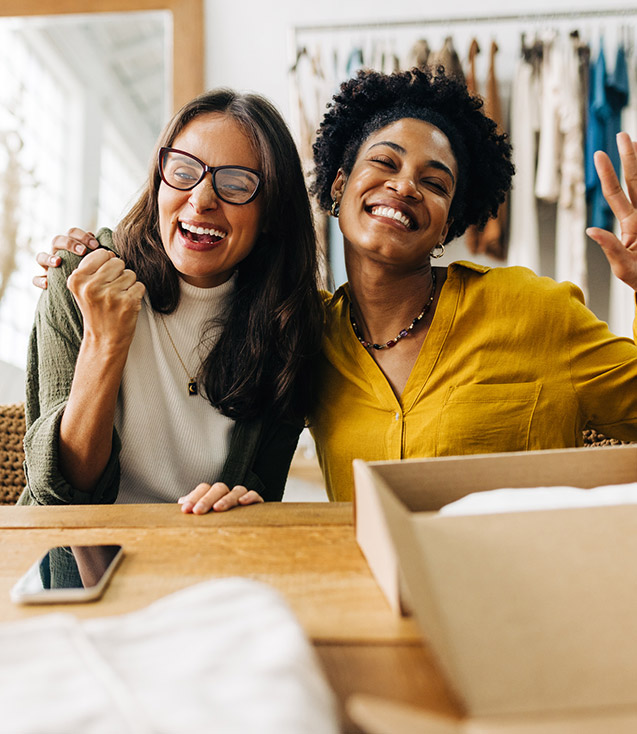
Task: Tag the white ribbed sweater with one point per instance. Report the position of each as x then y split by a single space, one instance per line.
171 441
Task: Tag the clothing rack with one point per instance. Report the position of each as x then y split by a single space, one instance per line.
458 20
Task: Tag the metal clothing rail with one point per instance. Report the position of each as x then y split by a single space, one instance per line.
458 20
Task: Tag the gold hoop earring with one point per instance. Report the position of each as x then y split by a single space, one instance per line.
438 251
336 209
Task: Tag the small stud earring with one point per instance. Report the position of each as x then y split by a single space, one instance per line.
336 209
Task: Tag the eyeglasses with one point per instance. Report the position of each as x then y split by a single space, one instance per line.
232 184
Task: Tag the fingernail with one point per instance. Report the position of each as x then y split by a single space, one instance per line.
54 260
198 507
79 249
186 507
93 243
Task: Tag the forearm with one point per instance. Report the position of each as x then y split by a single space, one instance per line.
86 428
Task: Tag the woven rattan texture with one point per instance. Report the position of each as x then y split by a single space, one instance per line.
12 428
593 438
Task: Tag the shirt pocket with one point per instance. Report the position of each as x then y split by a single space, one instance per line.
480 419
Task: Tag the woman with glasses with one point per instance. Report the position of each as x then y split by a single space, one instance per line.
420 360
173 362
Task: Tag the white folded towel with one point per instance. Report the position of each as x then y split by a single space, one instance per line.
223 656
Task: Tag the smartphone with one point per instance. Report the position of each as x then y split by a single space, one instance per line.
74 573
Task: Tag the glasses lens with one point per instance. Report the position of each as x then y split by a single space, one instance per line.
180 170
235 185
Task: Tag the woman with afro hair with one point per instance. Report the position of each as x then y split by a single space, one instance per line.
421 360
428 361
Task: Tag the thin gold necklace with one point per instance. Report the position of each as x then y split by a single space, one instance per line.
193 389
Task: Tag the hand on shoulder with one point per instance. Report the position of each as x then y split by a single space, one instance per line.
75 240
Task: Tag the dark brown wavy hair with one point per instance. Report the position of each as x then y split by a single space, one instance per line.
272 329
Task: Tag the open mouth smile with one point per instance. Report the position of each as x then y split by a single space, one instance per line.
390 213
201 237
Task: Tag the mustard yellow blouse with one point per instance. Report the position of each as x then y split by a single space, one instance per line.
511 362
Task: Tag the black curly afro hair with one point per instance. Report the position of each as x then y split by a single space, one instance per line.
371 100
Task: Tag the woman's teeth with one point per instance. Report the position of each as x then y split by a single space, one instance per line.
203 230
387 211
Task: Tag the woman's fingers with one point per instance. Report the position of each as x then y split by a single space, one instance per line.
93 262
622 259
611 188
250 498
628 155
46 260
203 497
109 297
40 281
75 240
217 497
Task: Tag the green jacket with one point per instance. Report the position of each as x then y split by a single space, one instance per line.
260 450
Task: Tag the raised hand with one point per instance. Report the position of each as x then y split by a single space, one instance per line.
620 253
109 296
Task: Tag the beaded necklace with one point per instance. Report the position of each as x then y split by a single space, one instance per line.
404 332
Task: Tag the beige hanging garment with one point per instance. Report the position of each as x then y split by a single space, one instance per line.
491 239
471 236
448 58
418 55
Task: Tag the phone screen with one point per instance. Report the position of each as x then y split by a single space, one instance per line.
68 573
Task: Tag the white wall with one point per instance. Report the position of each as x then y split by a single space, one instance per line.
247 42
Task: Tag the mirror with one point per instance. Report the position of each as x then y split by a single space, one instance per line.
187 73
84 98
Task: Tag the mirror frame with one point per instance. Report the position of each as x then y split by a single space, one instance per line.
188 32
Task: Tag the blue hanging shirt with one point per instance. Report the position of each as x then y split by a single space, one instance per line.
617 92
596 140
607 97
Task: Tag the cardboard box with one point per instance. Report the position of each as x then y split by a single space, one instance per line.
532 616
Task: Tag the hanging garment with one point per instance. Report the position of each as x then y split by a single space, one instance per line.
524 240
418 55
622 296
490 240
312 89
471 236
447 57
600 214
570 234
355 62
617 96
547 179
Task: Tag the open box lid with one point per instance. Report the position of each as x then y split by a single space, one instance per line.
428 484
528 613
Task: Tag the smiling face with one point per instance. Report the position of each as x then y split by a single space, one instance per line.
204 237
394 204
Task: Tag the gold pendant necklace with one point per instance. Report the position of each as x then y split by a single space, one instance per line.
192 383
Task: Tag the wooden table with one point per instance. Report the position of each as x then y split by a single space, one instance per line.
307 551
